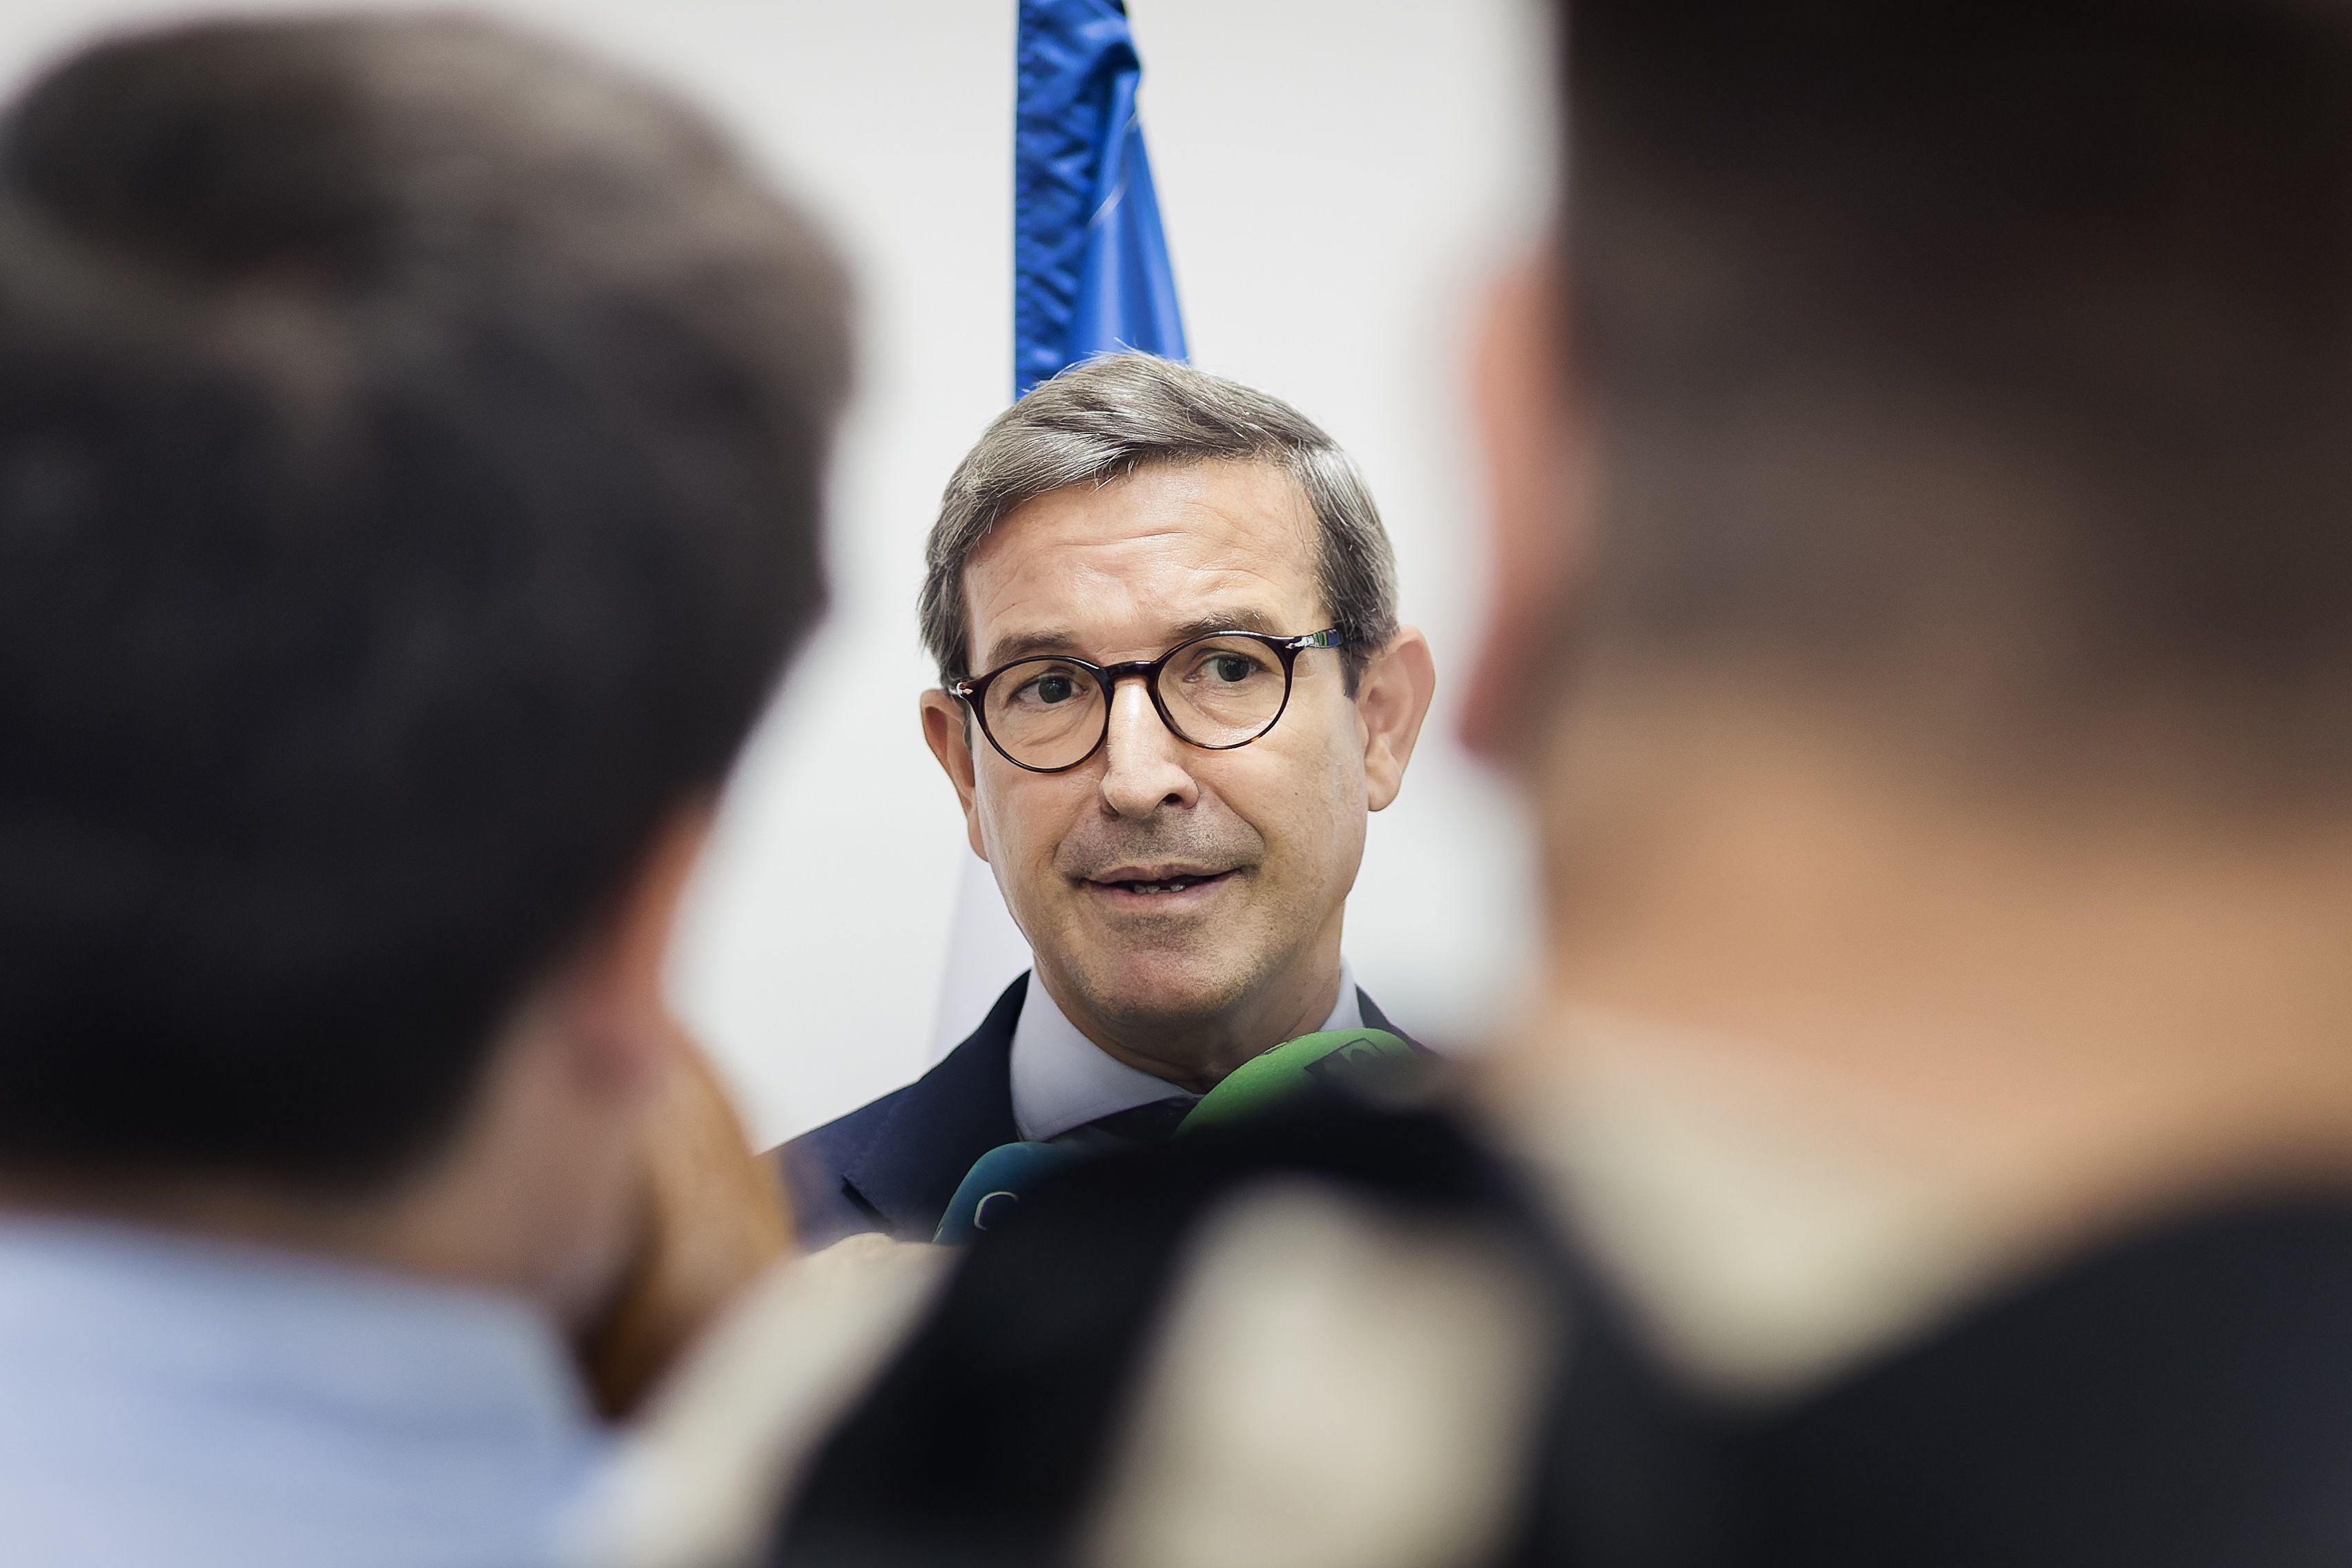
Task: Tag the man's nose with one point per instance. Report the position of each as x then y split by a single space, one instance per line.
1144 767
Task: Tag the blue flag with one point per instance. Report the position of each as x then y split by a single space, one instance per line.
1091 271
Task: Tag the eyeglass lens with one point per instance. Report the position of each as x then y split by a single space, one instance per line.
1218 692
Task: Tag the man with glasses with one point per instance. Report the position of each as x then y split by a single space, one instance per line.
1172 685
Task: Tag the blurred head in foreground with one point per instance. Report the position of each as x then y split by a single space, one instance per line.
1924 615
411 440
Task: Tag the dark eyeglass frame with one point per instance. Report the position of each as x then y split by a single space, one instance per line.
972 690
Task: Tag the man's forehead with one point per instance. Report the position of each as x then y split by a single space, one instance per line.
1163 550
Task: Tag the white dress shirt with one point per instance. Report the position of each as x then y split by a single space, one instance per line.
1061 1079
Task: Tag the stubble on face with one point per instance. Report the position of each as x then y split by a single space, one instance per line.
1184 974
1167 902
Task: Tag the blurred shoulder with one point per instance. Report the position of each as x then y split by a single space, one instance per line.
697 1481
1211 1352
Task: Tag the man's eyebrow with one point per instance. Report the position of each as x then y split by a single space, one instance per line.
1227 621
1031 645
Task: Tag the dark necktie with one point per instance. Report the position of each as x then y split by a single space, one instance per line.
1152 1123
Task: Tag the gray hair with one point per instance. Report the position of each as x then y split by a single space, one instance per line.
1101 421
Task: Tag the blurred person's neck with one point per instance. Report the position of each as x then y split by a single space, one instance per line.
2078 1009
519 1201
539 1190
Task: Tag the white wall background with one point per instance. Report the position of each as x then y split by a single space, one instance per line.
1337 177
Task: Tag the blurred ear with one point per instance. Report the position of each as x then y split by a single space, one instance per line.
947 730
709 1213
1537 525
611 995
711 1220
1392 698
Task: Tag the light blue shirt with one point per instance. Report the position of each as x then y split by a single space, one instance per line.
169 1401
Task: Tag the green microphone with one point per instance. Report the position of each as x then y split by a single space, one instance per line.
1291 1067
993 1188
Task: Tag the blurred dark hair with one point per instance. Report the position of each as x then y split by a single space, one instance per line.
411 440
1996 351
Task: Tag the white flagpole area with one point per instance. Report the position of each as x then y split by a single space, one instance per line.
985 951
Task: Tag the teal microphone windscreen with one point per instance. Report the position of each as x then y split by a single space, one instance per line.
992 1187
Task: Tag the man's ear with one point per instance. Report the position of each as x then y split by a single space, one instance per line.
1392 698
947 730
1521 388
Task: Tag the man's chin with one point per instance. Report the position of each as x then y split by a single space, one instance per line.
1158 990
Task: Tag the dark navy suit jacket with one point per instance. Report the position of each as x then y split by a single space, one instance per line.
892 1167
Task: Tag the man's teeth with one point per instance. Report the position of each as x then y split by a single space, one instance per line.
1173 884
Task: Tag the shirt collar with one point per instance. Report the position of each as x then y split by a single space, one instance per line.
1061 1079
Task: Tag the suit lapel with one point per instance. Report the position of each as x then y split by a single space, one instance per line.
952 1115
947 1118
1375 1019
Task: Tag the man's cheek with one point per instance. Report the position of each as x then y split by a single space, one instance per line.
1009 829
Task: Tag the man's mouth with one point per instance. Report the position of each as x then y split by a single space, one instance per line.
1158 884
